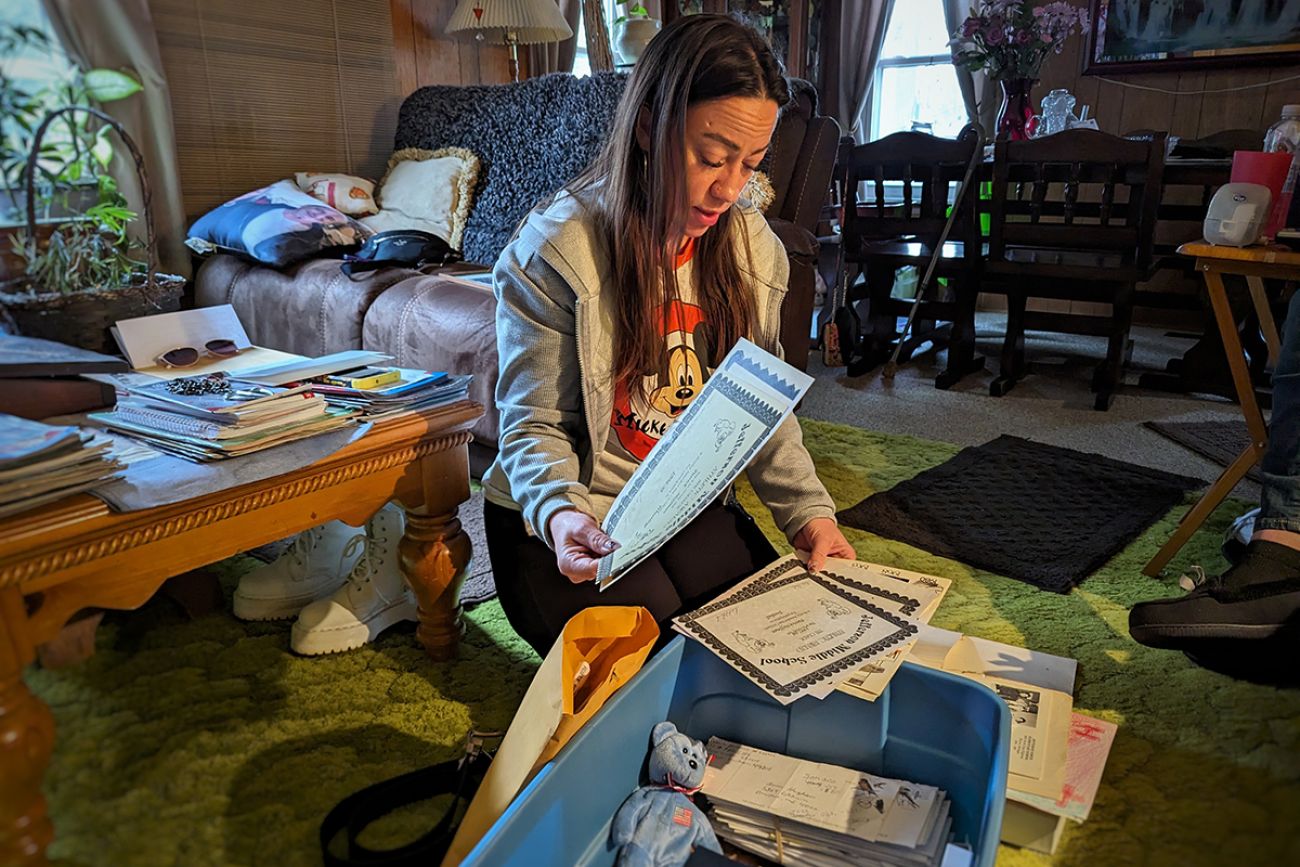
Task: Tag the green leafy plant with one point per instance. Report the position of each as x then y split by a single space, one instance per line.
632 9
87 254
88 250
83 152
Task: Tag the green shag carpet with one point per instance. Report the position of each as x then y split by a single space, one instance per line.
208 742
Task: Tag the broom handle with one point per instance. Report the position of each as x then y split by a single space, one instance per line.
976 157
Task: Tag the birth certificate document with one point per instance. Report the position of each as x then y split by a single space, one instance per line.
741 405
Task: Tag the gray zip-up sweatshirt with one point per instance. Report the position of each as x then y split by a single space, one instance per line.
556 389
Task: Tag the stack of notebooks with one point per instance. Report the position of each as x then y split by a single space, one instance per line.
41 463
794 811
411 391
212 417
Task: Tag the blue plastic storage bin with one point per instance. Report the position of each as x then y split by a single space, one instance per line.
928 727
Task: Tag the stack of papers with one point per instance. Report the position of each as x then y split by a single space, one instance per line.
800 812
41 463
794 633
214 417
1035 822
415 391
1037 688
869 681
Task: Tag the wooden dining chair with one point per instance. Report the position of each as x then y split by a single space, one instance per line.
1072 218
896 195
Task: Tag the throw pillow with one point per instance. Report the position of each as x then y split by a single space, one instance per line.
276 225
427 190
347 193
759 191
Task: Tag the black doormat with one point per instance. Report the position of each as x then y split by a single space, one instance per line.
1041 514
1218 441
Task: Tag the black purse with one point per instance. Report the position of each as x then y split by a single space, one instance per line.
459 777
403 248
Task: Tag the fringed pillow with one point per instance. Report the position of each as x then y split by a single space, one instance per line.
427 190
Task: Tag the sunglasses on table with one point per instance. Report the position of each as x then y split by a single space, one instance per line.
188 356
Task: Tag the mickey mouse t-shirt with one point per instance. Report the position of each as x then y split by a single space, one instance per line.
641 418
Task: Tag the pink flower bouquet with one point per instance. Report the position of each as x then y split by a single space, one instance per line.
1011 38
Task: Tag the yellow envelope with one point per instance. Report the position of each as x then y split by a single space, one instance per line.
599 651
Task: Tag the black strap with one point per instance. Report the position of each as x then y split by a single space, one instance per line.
460 777
352 267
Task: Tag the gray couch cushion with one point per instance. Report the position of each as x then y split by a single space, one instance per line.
310 308
438 322
532 138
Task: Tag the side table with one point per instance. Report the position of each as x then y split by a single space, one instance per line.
1253 263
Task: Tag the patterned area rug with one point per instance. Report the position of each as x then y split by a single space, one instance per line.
207 742
1218 441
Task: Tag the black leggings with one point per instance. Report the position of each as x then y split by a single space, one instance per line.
713 552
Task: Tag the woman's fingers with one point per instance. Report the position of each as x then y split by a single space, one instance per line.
577 565
579 544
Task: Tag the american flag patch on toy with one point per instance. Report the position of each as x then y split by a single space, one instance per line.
682 816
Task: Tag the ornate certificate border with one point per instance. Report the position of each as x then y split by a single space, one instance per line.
766 583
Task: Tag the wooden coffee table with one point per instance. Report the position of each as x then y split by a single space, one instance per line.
77 554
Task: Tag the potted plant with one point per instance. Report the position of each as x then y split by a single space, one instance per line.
633 30
1009 40
83 275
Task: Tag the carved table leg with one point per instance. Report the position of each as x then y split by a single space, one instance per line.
435 555
26 744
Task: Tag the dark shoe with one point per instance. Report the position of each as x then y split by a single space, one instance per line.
1238 536
1255 600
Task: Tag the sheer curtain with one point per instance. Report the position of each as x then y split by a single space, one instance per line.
557 56
978 91
119 34
850 63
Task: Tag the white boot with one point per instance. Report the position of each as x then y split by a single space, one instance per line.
374 598
313 567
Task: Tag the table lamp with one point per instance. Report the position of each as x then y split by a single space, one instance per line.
510 22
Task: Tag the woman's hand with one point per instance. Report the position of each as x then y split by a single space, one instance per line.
821 538
579 544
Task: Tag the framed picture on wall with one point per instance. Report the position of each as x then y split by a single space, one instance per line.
1159 35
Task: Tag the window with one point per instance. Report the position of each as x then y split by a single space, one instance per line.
581 62
915 84
31 70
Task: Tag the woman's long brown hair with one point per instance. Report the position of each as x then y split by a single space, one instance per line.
642 195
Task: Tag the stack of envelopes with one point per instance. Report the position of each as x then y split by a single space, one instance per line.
41 463
212 417
794 811
415 391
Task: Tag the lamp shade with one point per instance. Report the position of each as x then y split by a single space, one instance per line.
501 21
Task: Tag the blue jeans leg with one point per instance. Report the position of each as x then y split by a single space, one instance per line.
1280 502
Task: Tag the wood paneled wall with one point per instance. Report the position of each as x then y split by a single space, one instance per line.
424 54
1119 109
264 88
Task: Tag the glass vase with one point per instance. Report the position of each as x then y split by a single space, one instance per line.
1015 115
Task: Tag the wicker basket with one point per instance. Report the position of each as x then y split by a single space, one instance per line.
83 318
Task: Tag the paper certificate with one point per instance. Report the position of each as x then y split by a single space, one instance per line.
791 632
741 405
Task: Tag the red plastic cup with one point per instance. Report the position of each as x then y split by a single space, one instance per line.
1269 169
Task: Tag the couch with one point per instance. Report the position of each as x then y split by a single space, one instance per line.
531 138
